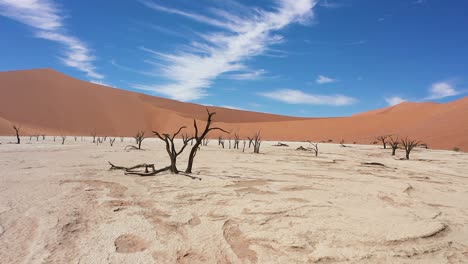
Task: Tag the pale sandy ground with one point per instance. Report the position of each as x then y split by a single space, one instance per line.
61 204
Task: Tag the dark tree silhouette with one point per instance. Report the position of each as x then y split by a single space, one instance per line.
314 148
383 139
236 141
409 145
171 149
199 138
394 143
63 139
17 131
139 137
111 141
257 141
250 141
173 152
93 134
220 141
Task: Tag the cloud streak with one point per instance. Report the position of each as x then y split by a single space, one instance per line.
321 79
192 69
45 18
290 96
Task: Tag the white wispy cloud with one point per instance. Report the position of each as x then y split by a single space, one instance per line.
394 100
298 97
192 69
441 90
251 75
321 79
330 4
46 19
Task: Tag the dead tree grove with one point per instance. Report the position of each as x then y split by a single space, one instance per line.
17 131
173 152
409 145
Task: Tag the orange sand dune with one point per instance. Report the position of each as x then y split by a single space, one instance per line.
45 101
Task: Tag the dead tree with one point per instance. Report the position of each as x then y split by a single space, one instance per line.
93 134
220 141
236 141
171 149
383 139
105 137
55 138
204 142
394 144
229 139
63 139
314 148
43 137
257 141
121 139
76 138
17 131
243 148
111 141
139 137
199 138
409 145
250 141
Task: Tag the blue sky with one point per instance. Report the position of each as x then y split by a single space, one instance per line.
301 57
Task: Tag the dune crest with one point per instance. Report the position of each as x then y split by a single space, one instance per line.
44 101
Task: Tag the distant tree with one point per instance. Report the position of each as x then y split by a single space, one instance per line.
17 132
394 142
63 139
121 139
409 145
257 141
236 141
251 139
243 142
54 138
43 137
204 142
220 141
383 139
111 141
314 148
75 138
94 134
139 137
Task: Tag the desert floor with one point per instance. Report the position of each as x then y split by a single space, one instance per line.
62 204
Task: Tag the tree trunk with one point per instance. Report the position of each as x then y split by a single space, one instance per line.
407 155
192 155
18 140
393 151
